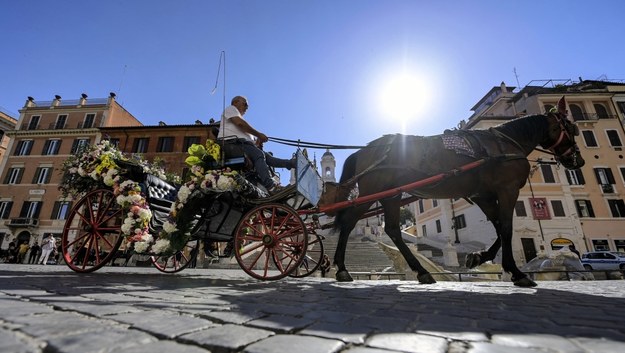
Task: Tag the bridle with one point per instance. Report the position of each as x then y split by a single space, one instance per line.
564 136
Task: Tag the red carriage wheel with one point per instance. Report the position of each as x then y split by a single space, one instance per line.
180 260
92 233
312 259
270 241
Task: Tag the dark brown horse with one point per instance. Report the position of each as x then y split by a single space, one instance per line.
396 160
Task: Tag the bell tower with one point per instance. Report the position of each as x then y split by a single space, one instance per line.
328 166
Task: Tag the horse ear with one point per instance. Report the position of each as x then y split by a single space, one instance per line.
562 106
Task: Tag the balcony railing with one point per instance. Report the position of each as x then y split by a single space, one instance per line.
592 117
22 222
607 188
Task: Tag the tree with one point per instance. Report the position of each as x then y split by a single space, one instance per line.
405 215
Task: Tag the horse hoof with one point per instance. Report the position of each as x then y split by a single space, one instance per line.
524 282
473 260
343 276
426 279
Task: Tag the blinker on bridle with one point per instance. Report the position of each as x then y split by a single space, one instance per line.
571 151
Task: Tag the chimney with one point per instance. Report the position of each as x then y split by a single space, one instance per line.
30 102
56 101
198 122
83 99
161 123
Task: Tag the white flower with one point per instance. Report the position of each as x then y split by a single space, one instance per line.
183 193
141 246
225 183
147 237
169 227
160 246
126 228
145 214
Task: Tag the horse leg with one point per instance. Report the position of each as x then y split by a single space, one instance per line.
391 227
348 220
506 207
490 209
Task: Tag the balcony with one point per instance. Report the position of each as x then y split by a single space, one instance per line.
23 222
592 117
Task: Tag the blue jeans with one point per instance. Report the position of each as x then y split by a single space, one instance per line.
262 160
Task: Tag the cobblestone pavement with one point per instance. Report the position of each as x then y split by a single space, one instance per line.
52 309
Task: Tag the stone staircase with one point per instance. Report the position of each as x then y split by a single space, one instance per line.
363 253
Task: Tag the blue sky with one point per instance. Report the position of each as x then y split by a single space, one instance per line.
312 70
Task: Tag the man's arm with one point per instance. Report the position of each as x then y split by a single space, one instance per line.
246 127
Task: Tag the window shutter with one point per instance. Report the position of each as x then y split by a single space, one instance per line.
18 147
30 147
37 209
7 210
24 210
608 173
580 175
590 210
36 177
48 176
45 147
74 146
20 173
55 210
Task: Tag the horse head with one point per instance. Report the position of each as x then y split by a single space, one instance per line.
561 140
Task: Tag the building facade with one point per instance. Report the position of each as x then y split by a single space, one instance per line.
46 134
557 207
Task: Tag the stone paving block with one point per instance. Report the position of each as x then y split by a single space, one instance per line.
13 342
281 323
600 345
341 332
367 350
294 343
408 342
63 323
102 342
17 308
163 323
230 317
383 323
557 343
231 337
163 347
97 308
483 347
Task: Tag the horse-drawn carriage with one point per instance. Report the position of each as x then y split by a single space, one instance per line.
265 233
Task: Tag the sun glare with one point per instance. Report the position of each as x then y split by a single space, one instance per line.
404 97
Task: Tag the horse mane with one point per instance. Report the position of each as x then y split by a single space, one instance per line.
530 127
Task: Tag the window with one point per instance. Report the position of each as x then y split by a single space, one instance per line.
547 173
140 145
165 144
602 112
188 141
459 222
621 106
61 209
89 119
615 140
575 177
51 147
79 145
617 207
622 169
14 175
589 138
5 209
420 203
519 209
424 230
34 122
23 148
42 175
60 122
604 176
584 208
558 209
434 203
438 226
577 112
30 209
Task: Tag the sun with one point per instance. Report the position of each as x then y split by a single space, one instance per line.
404 97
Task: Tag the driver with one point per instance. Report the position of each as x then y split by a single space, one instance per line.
233 124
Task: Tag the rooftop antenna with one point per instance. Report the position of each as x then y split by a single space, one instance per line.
222 58
517 78
121 82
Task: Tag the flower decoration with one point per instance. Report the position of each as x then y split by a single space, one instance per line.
104 166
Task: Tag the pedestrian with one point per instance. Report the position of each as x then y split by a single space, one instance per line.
47 247
34 252
11 253
21 252
573 250
325 265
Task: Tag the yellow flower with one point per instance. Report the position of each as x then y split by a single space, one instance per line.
197 150
193 160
